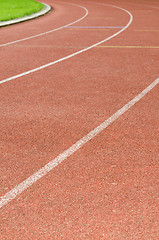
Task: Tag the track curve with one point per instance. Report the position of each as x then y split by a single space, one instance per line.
107 189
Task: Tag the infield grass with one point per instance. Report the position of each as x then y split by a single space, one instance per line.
11 9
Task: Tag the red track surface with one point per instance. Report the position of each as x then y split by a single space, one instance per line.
108 188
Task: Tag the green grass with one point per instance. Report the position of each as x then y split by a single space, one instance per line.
11 9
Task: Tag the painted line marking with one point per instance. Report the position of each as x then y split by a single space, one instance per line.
90 27
73 54
48 46
99 18
63 156
56 29
107 46
155 47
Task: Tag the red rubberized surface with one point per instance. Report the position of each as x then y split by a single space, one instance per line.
108 188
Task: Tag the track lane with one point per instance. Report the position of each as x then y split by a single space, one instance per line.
75 147
71 214
37 27
101 173
48 32
19 125
32 62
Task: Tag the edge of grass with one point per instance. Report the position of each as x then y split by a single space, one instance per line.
12 9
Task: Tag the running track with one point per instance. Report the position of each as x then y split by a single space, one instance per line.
70 168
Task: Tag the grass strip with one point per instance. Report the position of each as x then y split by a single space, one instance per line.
11 9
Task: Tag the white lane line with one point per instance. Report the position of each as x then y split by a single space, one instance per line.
56 29
73 54
63 156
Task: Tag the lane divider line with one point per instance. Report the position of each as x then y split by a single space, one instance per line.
63 156
85 27
129 47
104 46
90 29
99 18
53 30
73 54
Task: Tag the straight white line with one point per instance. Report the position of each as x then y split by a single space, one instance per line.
73 54
52 164
56 29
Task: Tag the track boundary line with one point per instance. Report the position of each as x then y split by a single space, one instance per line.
53 30
73 54
67 153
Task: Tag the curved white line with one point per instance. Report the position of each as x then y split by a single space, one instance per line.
52 164
73 54
56 29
